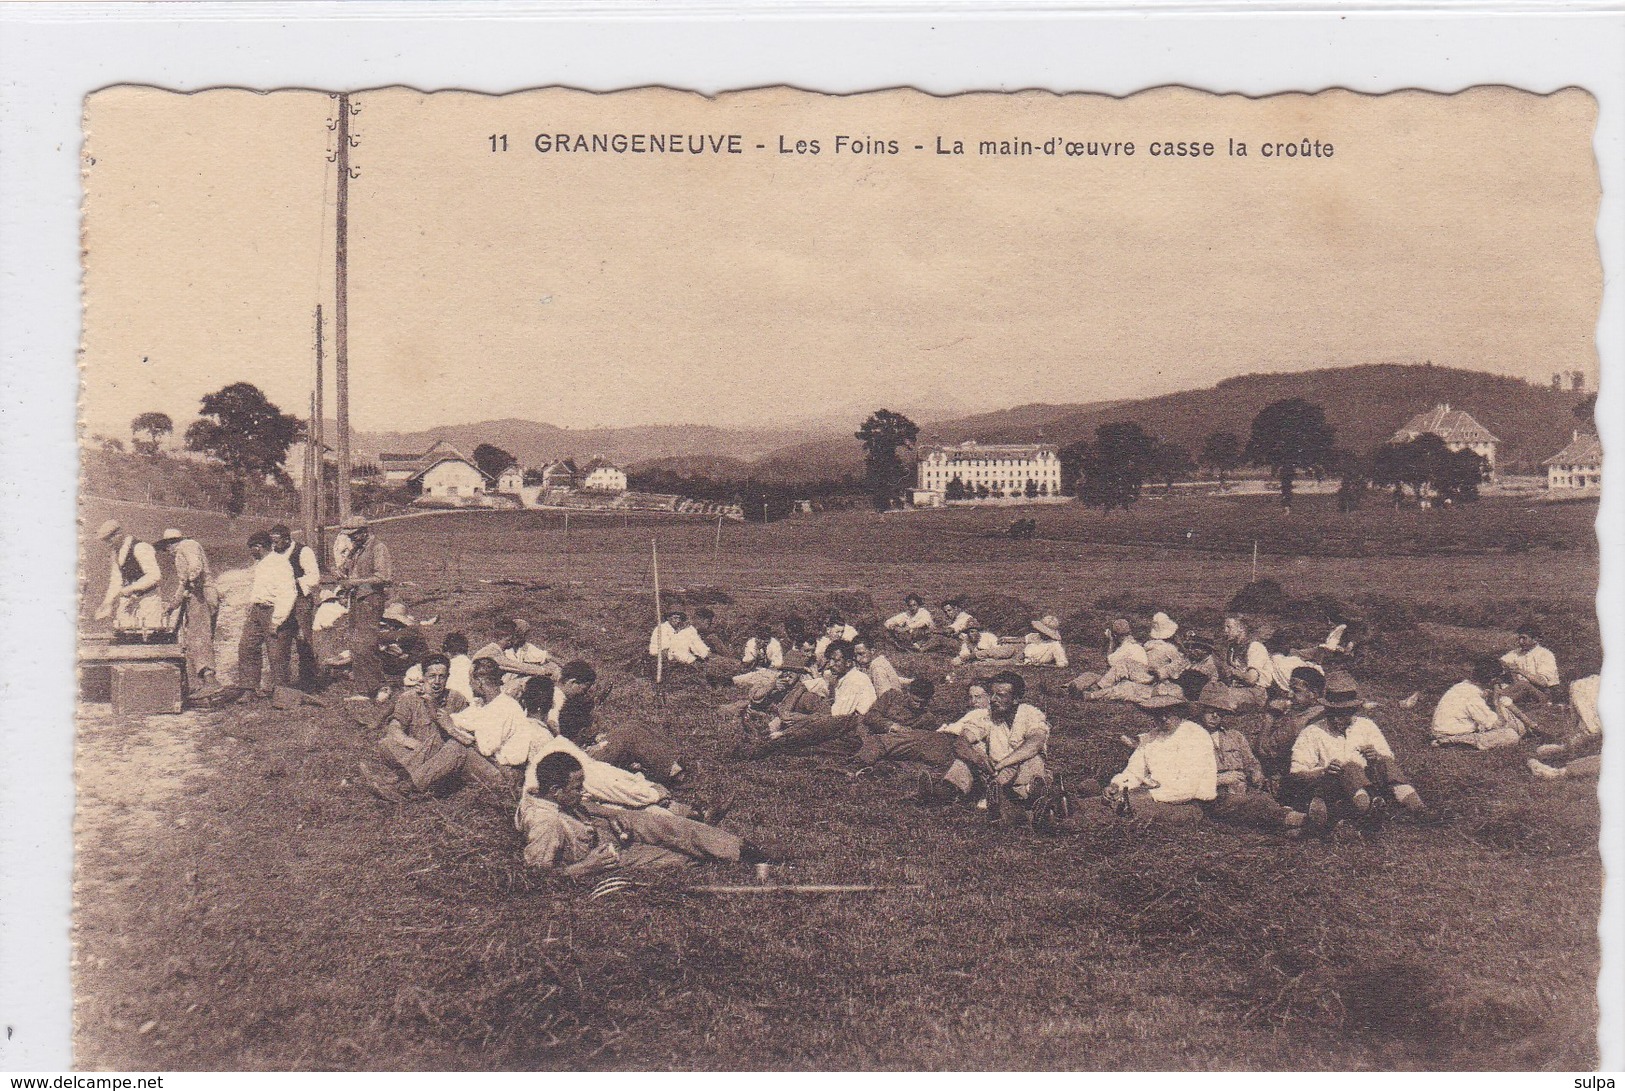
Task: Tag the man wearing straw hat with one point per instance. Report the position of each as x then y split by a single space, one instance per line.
197 601
366 574
1162 656
132 598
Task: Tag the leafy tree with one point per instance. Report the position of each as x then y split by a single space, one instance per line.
242 429
1169 462
1354 480
1073 457
955 489
1117 466
883 435
982 491
1290 437
1458 474
492 460
155 425
1425 464
1221 453
1032 488
1585 411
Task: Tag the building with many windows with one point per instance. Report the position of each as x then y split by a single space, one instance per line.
1456 427
1577 466
990 471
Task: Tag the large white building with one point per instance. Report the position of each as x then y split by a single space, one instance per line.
1003 469
1456 427
601 475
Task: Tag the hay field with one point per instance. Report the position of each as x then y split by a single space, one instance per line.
241 903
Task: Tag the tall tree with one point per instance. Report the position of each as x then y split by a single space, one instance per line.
1118 464
1221 453
1290 437
883 435
492 460
1073 457
242 429
1170 462
154 425
1585 411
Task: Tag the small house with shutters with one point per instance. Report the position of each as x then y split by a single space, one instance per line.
1456 427
1577 466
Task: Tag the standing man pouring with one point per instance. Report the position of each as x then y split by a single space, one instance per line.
307 577
366 573
199 602
132 598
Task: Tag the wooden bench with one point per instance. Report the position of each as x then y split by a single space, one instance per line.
139 679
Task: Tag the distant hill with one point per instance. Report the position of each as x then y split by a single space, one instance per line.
534 443
1366 404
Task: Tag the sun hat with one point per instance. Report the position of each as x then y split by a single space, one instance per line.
1162 626
108 529
1049 625
1342 691
1158 701
1219 697
396 612
355 522
170 534
1121 627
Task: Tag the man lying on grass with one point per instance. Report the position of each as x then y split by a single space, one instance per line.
1580 750
1341 762
836 732
639 748
515 650
564 828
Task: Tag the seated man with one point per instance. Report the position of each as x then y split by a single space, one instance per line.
976 643
1128 674
877 667
1465 716
1198 651
1281 727
838 731
497 728
628 743
1162 656
418 737
564 828
1042 647
517 653
805 694
1533 669
1242 798
1173 771
1579 750
834 630
677 643
913 628
958 618
1342 757
1002 746
762 658
900 727
1244 662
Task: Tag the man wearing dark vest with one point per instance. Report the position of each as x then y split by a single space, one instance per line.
366 574
132 599
307 576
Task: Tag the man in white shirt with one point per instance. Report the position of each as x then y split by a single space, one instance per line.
1162 656
1245 664
497 728
1128 674
307 577
762 659
954 610
677 641
1173 770
1466 717
197 601
1580 750
834 629
881 673
913 627
1002 746
976 642
1533 668
1341 759
132 599
268 629
520 657
839 731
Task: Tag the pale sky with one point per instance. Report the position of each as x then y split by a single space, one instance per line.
602 289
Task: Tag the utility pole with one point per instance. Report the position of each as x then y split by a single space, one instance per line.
341 313
318 430
312 466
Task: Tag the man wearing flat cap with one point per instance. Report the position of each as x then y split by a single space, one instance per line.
132 598
366 574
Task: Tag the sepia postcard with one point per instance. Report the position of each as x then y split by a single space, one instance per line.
782 581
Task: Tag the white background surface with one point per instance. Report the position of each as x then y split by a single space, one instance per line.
51 56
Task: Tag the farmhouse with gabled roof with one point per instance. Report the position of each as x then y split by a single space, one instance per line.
1577 466
1456 427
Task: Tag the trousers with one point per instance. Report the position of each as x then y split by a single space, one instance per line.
1254 808
933 748
197 634
364 618
259 640
652 751
658 828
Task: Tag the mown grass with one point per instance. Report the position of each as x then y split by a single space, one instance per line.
295 922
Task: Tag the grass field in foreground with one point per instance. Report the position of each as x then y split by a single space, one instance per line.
240 894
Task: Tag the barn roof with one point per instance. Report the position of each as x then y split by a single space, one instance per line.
1450 425
1583 450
